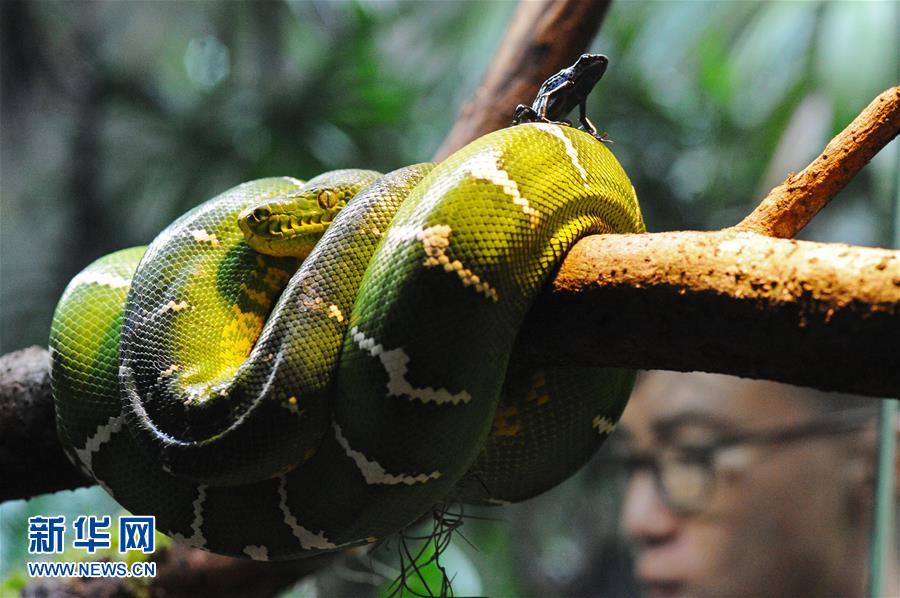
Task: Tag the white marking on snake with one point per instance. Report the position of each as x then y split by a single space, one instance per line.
257 553
491 170
497 501
201 236
173 307
101 436
291 179
436 240
603 425
395 363
306 537
374 473
556 131
196 539
102 278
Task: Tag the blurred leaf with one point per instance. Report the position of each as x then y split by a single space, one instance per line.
769 57
858 48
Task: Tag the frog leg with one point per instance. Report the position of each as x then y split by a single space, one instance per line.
588 126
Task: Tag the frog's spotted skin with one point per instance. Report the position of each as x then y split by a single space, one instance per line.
269 414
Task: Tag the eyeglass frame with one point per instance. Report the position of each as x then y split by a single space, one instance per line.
831 423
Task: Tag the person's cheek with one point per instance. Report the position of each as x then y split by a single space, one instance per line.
733 540
712 555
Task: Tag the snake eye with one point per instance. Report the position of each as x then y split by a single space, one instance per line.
261 214
327 199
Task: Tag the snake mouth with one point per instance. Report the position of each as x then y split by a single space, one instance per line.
283 233
290 226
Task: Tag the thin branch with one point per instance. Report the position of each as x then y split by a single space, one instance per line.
790 206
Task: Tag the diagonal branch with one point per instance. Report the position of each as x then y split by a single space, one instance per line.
790 206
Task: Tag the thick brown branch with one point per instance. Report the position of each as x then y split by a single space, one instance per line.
811 314
31 459
543 37
790 206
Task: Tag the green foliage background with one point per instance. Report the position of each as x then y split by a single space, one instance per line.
117 117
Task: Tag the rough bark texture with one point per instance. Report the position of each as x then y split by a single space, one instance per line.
543 37
790 206
32 461
811 314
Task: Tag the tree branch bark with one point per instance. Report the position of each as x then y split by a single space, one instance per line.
32 461
732 302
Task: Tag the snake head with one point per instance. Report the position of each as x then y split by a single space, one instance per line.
290 224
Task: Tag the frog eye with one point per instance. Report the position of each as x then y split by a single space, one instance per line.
327 199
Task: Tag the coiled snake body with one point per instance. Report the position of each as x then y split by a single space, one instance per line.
262 410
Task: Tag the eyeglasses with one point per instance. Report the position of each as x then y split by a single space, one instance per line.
685 475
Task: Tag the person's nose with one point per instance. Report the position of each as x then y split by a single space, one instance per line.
646 518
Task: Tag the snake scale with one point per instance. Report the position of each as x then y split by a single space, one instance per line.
264 404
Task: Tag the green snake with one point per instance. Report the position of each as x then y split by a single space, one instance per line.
269 396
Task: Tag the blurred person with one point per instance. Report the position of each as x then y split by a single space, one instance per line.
743 487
